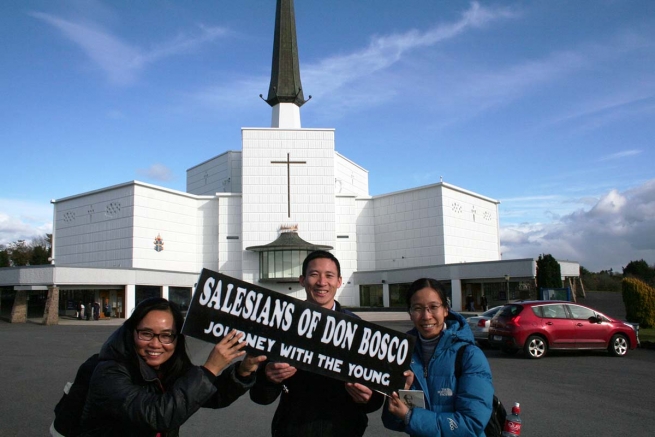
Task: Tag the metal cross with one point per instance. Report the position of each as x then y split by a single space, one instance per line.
288 162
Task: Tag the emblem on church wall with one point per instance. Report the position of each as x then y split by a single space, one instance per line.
159 243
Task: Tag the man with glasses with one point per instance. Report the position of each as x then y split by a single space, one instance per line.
311 404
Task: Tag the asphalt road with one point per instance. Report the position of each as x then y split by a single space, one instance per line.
564 394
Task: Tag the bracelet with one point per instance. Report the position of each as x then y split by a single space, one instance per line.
408 415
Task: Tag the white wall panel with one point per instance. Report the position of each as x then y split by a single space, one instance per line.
221 174
95 229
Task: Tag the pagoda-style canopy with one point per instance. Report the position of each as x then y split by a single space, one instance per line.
289 241
281 260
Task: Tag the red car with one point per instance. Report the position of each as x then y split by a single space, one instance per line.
539 326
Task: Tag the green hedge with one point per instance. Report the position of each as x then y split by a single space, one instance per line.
639 300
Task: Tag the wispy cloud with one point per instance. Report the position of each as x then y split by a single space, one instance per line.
384 51
525 199
121 61
333 77
619 155
157 172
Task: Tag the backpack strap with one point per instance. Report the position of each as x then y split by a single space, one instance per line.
458 361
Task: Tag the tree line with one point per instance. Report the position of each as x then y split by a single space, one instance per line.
609 280
24 253
549 276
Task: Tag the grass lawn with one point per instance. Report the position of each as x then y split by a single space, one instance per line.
647 334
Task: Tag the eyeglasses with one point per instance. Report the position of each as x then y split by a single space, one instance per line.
147 335
418 309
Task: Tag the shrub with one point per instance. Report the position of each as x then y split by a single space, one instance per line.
639 300
548 272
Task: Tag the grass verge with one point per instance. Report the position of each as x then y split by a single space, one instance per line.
647 334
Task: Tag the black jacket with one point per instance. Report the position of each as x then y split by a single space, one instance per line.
313 405
127 401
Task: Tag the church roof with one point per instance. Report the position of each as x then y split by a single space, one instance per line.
289 241
285 84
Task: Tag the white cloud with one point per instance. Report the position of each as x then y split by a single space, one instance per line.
21 220
619 228
158 172
119 60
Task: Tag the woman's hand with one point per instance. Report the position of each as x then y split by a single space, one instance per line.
409 378
397 407
250 364
225 352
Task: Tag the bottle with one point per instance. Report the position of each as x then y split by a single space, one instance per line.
512 426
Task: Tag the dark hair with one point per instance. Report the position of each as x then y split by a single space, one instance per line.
422 283
180 361
320 254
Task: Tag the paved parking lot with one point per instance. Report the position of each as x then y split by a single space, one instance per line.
582 394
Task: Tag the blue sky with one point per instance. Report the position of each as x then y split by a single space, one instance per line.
548 107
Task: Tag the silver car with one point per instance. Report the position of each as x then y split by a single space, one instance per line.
480 324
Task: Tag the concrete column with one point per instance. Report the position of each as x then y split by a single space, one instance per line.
164 291
385 295
456 287
130 297
19 310
51 313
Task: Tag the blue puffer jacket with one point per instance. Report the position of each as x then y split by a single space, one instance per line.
453 407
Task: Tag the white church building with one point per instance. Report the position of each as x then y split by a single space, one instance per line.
255 213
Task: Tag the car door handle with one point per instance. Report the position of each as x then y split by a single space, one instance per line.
579 324
549 323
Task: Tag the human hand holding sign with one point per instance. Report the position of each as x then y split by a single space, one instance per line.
225 351
360 393
250 364
278 372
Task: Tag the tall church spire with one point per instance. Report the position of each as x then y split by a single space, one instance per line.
285 91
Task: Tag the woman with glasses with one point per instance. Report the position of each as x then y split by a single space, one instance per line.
454 406
145 383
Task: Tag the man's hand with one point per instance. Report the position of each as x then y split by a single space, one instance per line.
278 372
360 393
250 364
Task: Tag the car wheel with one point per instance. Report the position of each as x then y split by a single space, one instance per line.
618 346
509 350
535 347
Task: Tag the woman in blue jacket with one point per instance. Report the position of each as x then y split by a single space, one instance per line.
453 406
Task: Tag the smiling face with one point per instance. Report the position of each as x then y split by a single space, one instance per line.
428 323
321 282
153 351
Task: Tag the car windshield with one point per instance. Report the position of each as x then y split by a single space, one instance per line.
510 310
492 312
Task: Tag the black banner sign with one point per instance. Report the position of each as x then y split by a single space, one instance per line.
302 334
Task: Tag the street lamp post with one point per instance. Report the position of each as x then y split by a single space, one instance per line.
507 279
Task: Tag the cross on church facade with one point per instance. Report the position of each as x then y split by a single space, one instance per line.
288 162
